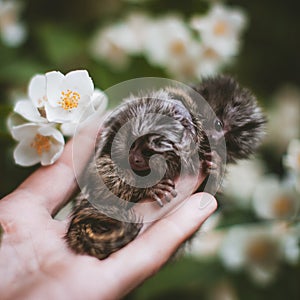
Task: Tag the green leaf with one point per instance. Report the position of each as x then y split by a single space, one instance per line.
60 44
178 276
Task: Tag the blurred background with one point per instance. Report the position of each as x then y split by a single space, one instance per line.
250 248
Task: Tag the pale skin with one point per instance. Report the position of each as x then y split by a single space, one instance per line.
35 262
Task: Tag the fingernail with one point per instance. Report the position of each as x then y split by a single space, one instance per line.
206 200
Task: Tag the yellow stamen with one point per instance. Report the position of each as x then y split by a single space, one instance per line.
259 250
220 28
177 47
210 53
69 100
41 143
283 206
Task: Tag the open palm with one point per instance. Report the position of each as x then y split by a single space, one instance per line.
35 262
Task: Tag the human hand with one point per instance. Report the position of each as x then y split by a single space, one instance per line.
35 262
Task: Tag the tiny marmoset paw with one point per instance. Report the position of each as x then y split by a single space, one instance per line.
212 163
163 191
213 166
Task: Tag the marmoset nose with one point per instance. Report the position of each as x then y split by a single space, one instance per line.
138 160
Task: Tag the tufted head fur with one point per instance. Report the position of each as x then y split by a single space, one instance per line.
239 118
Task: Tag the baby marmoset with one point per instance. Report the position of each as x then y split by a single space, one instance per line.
237 119
143 147
162 124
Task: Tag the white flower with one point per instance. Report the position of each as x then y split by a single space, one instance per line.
167 39
170 44
114 43
242 179
220 29
286 108
37 143
12 31
13 35
207 241
104 47
67 95
275 200
255 249
292 159
25 110
130 34
291 244
209 62
98 104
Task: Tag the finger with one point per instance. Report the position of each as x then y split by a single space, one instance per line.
54 185
155 246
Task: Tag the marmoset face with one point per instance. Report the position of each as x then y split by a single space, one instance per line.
145 147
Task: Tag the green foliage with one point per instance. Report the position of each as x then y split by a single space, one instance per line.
60 45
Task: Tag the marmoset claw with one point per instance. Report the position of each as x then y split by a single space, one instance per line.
164 190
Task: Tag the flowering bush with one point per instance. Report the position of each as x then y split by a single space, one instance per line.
272 238
190 50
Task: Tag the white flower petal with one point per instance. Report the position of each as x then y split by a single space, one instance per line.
99 100
292 159
57 142
232 251
68 129
14 120
79 81
25 155
37 90
54 81
273 199
27 110
104 47
242 179
57 114
291 247
24 131
50 131
85 112
262 274
50 157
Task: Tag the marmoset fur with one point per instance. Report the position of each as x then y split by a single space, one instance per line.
158 127
235 117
